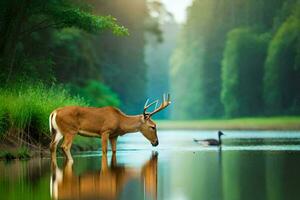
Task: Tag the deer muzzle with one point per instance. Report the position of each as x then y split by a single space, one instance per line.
155 143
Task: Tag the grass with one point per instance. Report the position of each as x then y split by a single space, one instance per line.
25 110
255 123
18 153
27 105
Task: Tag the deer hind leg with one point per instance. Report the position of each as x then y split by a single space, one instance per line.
66 145
113 144
56 137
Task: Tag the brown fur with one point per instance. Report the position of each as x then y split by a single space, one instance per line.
107 123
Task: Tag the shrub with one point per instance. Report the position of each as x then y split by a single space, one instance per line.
25 109
96 94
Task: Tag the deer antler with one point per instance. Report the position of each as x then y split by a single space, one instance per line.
163 105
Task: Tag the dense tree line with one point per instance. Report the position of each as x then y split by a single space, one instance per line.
242 72
237 58
75 43
157 55
282 67
50 42
122 59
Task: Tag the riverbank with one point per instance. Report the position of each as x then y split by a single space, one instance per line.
255 123
24 119
11 149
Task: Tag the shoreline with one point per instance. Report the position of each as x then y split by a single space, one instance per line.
279 123
285 123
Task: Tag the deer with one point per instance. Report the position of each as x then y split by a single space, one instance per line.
107 183
107 123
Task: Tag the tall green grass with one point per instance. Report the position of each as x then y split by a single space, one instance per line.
25 109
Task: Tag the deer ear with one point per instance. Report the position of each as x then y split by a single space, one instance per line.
146 117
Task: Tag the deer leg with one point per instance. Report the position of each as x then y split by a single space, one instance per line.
104 138
113 162
104 165
56 137
113 144
68 169
66 146
56 179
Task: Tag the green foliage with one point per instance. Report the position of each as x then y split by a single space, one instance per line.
27 108
188 98
75 54
122 61
81 143
3 119
157 56
282 68
26 35
67 16
23 153
217 68
7 155
96 94
20 153
242 72
189 87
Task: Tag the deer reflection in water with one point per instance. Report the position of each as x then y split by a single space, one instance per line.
107 183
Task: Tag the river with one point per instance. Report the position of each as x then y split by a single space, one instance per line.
250 165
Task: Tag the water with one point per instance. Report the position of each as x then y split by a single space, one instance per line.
250 165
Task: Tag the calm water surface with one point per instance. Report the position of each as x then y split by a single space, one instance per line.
250 165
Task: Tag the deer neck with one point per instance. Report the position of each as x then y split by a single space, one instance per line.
131 123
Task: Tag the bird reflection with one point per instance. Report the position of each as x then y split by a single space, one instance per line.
107 183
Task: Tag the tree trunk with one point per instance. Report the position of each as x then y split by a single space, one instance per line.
15 17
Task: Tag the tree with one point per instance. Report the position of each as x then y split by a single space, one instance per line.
196 62
157 55
20 19
122 65
96 94
242 72
282 68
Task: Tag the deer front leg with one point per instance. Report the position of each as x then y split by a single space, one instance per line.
104 138
113 144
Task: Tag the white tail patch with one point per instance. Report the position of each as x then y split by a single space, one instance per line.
50 122
53 124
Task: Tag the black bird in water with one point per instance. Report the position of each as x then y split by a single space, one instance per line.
211 142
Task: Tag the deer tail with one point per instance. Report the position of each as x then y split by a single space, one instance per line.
52 130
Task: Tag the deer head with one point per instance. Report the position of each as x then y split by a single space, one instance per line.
148 127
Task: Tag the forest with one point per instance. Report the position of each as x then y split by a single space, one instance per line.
62 52
230 59
236 59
